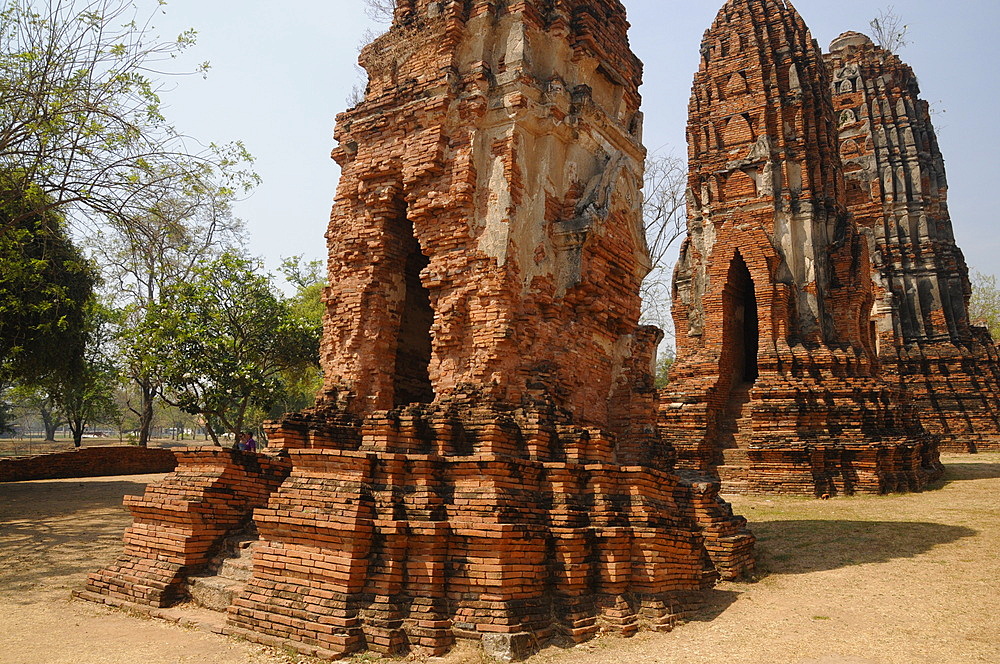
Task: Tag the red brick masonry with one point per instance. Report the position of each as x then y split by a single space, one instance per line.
777 384
87 462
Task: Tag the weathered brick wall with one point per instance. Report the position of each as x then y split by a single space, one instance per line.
897 189
490 192
773 287
87 462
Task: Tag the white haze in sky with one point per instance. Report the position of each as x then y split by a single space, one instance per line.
281 71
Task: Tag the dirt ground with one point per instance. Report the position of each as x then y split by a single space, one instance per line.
902 579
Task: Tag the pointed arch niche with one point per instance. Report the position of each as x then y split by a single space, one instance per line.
411 381
740 325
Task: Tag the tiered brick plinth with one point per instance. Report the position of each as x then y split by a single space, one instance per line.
816 469
480 523
180 522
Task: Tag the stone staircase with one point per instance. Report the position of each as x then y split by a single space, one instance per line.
735 425
226 575
734 438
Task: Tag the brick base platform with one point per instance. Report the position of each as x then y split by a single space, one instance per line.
433 524
833 469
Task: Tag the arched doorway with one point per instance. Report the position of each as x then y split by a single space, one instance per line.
738 369
411 381
741 335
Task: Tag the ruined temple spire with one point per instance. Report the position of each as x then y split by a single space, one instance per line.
897 189
772 292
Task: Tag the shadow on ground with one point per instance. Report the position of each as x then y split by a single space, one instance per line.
800 547
961 472
52 533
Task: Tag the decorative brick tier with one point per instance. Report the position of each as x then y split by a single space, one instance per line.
773 289
484 523
180 521
897 189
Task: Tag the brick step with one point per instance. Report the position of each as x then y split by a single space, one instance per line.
239 567
213 592
735 421
227 575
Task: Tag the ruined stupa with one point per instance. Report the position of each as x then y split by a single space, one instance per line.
483 461
897 188
777 383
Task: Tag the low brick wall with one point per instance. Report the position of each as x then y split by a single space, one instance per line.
87 462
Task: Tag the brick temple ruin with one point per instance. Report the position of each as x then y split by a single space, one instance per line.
896 188
777 385
484 459
488 458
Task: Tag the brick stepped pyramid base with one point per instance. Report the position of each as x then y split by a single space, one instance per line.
826 430
509 526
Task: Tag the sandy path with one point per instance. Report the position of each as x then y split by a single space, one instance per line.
908 579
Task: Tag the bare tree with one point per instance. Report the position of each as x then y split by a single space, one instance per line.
889 30
664 211
80 113
381 11
664 206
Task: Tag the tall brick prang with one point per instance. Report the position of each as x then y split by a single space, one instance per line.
483 461
777 382
897 188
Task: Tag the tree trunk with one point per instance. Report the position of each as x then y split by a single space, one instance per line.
147 397
211 431
77 427
49 421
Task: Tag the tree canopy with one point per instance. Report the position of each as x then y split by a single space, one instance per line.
984 305
221 342
45 284
80 112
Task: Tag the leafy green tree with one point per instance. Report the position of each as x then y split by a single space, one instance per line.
6 412
157 250
309 279
300 384
664 361
85 389
220 343
984 305
45 283
81 118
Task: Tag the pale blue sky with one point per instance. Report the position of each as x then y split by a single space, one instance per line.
281 71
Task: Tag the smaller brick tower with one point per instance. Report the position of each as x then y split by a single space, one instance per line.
897 189
776 384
